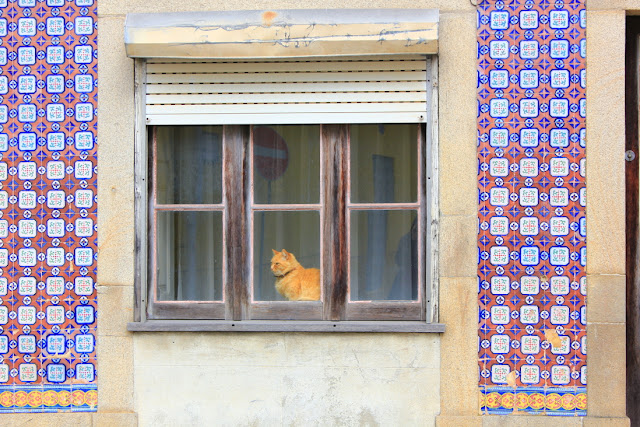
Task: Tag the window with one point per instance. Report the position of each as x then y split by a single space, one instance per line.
347 200
257 150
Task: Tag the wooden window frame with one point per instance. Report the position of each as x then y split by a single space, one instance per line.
334 312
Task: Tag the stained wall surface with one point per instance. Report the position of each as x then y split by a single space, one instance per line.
286 379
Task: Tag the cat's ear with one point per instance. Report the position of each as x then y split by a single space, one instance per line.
285 254
274 251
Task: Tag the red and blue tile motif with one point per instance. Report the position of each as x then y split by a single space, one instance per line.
531 183
48 205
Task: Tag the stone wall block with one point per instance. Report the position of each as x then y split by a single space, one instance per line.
115 366
116 310
118 7
606 422
115 419
530 421
458 246
461 421
606 375
115 154
46 420
606 298
459 355
458 166
606 141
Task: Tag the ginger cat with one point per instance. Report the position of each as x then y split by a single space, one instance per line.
293 281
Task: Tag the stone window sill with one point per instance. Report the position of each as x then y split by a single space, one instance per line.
283 326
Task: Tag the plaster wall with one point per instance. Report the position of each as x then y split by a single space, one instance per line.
286 379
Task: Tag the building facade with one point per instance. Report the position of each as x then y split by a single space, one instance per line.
455 256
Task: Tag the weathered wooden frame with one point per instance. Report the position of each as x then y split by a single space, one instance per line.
239 304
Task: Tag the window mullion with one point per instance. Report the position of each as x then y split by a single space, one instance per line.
334 174
235 146
152 230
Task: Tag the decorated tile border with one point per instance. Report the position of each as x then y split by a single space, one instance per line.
49 399
531 183
534 400
48 205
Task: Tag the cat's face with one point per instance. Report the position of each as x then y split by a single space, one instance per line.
282 262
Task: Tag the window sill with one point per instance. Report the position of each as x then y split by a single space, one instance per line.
283 326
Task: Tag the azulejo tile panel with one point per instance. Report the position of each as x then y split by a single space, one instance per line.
48 205
531 183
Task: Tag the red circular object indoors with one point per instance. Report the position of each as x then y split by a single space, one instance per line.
270 153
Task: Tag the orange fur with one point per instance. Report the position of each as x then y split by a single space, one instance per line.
293 281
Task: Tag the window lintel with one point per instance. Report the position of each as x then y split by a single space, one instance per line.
282 33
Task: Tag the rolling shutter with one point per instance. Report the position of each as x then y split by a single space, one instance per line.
362 89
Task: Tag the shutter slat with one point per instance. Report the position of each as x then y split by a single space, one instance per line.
289 77
287 91
279 98
396 57
320 117
286 87
406 107
285 67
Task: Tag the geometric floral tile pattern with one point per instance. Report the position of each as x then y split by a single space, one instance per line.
48 205
531 183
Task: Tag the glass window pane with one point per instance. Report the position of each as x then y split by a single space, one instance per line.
286 162
384 255
189 164
189 256
298 234
384 166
